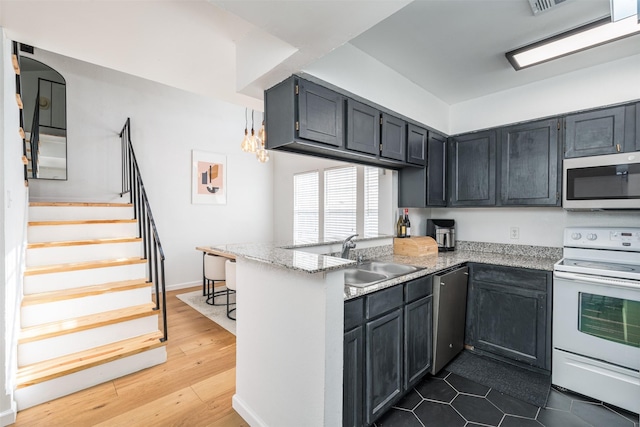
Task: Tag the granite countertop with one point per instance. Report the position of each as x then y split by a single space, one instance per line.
447 260
284 254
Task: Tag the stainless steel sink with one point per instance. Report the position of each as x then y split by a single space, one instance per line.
361 278
371 272
387 268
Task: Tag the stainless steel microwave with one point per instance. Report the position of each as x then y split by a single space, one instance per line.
602 182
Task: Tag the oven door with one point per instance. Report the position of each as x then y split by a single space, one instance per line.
602 182
597 317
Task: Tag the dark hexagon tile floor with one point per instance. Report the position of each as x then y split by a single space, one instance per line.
448 400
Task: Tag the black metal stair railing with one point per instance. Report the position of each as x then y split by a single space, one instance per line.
16 52
153 253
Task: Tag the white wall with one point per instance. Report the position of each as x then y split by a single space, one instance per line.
351 69
286 165
12 229
610 83
167 124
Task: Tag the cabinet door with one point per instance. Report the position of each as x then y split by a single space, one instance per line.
416 145
418 340
472 168
508 321
363 127
595 132
437 170
320 114
352 378
530 164
412 187
393 138
637 144
383 364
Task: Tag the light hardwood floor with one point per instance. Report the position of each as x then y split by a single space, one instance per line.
193 388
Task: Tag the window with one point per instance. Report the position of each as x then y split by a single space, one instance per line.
305 207
370 201
340 202
345 202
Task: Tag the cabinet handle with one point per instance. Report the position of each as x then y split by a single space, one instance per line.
618 147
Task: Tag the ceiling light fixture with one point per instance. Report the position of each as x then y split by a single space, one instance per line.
254 143
578 39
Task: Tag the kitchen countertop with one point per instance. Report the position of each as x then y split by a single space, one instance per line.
292 257
445 261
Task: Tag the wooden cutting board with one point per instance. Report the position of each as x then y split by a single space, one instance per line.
415 246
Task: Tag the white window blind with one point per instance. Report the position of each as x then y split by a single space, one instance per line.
305 207
340 190
371 201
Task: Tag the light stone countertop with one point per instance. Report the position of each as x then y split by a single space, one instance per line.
287 256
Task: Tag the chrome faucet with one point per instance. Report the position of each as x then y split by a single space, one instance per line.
346 245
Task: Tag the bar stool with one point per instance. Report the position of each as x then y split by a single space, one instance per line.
230 268
213 269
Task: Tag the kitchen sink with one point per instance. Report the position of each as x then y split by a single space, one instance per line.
387 268
371 272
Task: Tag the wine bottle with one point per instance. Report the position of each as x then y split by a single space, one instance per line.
400 230
407 223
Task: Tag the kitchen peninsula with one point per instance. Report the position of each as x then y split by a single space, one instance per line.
290 322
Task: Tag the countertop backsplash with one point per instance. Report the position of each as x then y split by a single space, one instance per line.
508 249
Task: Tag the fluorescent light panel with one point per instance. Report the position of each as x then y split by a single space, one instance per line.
581 38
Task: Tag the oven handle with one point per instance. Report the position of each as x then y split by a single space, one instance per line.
620 283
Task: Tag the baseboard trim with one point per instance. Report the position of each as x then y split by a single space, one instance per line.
8 416
246 413
177 286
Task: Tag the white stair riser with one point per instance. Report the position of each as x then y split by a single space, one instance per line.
73 279
43 392
63 233
62 213
38 351
39 314
80 253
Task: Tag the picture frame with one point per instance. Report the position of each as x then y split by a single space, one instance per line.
208 178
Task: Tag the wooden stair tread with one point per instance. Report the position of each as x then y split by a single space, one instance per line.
84 291
68 326
87 265
82 204
81 221
65 365
38 245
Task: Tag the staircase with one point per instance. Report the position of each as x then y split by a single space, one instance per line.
88 314
51 156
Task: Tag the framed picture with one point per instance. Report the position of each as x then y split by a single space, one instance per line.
208 178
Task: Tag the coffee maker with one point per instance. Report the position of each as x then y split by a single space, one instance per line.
444 233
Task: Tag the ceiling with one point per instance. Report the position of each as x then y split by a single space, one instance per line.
233 50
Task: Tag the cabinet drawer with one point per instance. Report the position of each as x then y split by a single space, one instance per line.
418 288
382 301
511 276
353 313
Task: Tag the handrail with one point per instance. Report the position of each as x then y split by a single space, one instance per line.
35 136
132 184
16 52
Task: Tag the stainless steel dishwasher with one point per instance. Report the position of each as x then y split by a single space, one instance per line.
449 309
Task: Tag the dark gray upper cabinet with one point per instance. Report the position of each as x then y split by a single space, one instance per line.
509 314
363 127
320 114
472 169
530 164
604 131
393 137
416 145
437 170
419 188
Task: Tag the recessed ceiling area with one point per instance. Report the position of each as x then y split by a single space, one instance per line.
233 50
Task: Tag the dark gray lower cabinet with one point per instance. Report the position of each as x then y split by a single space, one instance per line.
387 348
352 378
383 364
418 340
509 314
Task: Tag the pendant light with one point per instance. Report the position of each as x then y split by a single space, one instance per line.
262 154
252 138
246 143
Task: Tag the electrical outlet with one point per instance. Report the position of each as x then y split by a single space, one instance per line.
514 233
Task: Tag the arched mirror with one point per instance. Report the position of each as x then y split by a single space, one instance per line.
44 97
